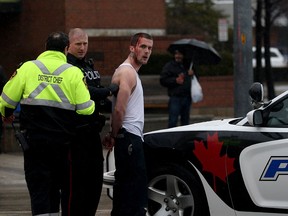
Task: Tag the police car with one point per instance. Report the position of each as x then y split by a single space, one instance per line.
236 166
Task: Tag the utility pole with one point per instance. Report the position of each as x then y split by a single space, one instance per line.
243 71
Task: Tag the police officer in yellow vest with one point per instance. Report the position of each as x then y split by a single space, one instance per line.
51 93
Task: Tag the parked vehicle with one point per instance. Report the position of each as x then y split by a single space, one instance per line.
236 166
277 58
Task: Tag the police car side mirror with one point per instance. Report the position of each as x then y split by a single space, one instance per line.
256 93
255 118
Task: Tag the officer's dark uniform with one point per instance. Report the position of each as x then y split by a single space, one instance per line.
87 155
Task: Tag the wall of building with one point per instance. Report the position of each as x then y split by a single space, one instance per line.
116 14
23 34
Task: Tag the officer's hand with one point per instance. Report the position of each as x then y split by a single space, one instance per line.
114 88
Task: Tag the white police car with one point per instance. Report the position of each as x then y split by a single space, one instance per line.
236 166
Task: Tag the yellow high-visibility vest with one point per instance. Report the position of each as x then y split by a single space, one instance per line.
48 81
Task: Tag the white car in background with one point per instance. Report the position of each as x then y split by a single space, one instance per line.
276 57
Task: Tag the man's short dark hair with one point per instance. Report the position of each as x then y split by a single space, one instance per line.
57 41
135 38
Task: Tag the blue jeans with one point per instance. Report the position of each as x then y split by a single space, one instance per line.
179 106
130 188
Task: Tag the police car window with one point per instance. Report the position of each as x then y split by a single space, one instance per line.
278 115
272 54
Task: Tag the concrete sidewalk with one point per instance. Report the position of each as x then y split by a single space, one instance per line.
14 198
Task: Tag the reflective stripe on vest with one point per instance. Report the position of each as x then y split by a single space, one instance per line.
65 104
8 100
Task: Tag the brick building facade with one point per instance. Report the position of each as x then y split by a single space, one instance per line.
108 23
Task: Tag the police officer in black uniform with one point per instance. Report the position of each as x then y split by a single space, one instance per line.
86 153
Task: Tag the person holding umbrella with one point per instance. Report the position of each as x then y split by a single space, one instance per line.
176 77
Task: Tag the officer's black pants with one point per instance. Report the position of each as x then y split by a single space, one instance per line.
87 173
130 187
46 171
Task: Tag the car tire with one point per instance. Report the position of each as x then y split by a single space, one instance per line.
173 190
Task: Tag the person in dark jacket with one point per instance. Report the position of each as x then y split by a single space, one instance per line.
86 152
177 79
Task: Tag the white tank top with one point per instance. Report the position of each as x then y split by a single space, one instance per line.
133 120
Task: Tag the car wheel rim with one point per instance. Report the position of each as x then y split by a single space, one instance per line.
169 195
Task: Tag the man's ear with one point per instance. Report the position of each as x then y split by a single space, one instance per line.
66 50
132 49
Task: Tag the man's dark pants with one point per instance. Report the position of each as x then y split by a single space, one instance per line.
130 188
179 106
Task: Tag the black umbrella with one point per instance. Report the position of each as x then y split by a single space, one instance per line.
198 51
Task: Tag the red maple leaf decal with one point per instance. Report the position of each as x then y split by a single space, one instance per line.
211 160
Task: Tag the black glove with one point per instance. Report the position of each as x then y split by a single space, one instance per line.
114 88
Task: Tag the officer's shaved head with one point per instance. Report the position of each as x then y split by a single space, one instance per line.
77 32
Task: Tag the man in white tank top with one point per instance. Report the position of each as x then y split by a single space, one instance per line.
127 122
